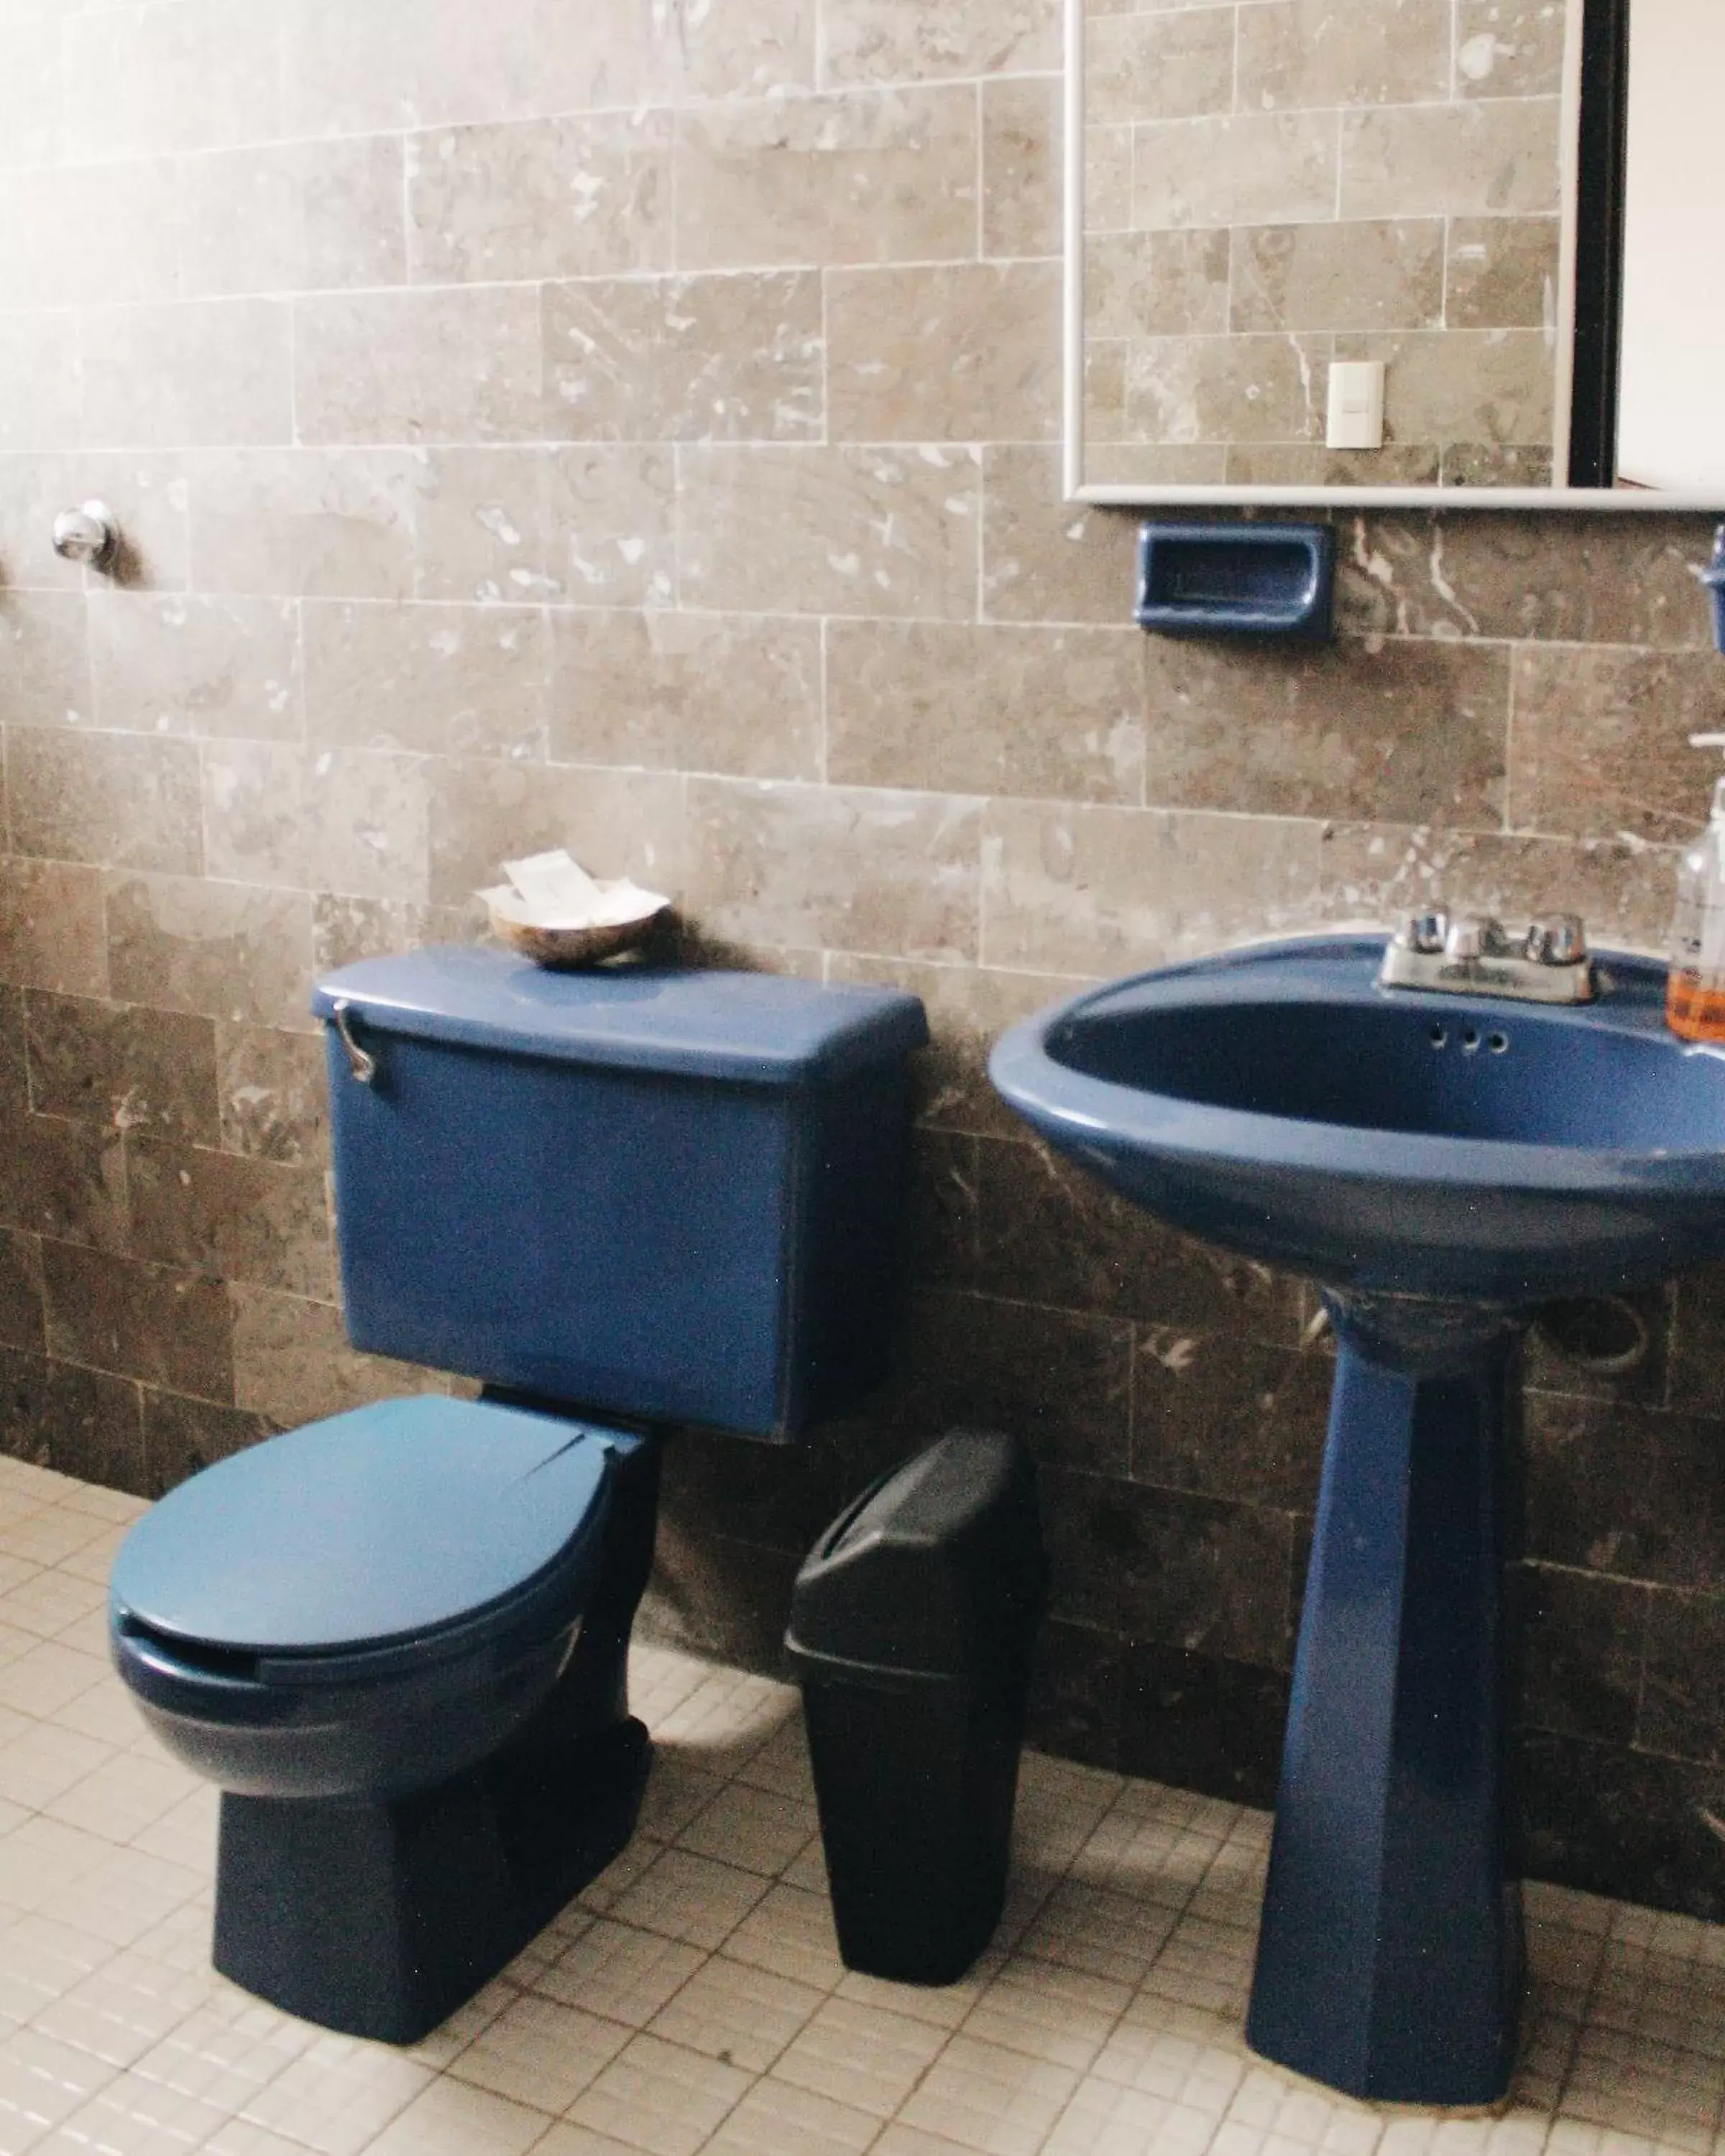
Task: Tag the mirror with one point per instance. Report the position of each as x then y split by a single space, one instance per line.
1394 251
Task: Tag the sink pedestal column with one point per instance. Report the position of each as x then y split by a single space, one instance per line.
1390 1964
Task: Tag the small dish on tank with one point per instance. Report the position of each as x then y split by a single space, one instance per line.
623 922
553 912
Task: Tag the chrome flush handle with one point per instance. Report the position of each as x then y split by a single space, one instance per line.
363 1066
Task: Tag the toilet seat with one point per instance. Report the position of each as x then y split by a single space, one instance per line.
365 1603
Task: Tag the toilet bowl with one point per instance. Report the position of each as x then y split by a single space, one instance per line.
397 1639
290 1627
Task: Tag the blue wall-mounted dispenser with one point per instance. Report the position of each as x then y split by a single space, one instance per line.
1237 580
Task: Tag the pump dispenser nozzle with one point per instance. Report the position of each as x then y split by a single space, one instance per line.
1713 578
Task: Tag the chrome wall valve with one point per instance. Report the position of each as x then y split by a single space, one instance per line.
89 534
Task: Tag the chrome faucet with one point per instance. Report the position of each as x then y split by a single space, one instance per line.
1476 954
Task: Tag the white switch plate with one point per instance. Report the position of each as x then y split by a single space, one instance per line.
1356 420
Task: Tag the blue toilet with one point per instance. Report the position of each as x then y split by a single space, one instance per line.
397 1639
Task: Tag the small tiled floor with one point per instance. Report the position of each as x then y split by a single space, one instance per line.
693 1999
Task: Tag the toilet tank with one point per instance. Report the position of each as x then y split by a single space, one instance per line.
666 1194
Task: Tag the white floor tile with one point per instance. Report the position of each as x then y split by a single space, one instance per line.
1103 2119
338 2095
1062 2015
121 1796
781 1764
790 1932
135 2117
693 1998
539 2052
451 2119
41 1961
676 1790
225 2055
124 2008
774 2119
753 1829
565 2140
659 2098
861 2055
50 1600
1099 1931
43 2082
624 1974
744 2016
691 1898
985 2097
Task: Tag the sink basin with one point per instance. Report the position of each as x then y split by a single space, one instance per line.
1439 1164
1277 1101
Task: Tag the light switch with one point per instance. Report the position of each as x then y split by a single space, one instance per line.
1355 419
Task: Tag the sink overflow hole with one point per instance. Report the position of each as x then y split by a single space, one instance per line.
1498 1043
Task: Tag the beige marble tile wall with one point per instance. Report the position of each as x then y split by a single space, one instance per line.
1277 184
634 427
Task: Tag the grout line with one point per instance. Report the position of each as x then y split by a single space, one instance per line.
981 166
1509 738
626 274
927 87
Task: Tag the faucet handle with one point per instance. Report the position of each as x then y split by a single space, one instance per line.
1425 932
1557 939
1473 935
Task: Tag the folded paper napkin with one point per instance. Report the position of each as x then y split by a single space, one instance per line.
553 891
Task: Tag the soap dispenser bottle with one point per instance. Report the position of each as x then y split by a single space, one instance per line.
1695 1001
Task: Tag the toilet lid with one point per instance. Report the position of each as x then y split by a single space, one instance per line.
371 1528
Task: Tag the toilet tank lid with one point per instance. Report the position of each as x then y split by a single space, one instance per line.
391 1522
753 1027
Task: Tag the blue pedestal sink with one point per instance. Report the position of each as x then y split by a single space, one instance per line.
1440 1165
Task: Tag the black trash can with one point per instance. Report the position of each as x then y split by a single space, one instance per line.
911 1629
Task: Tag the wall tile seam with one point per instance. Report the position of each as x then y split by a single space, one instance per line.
63 730
955 449
1134 1642
1317 823
1666 1590
151 1265
412 282
1268 1507
1580 841
1330 110
66 1123
1595 1403
410 130
213 595
112 1377
928 1290
143 1384
1346 639
1347 636
119 873
1634 1749
168 1141
1558 1394
958 967
1097 1480
140 1385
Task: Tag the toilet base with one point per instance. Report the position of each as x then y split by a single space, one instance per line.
379 1920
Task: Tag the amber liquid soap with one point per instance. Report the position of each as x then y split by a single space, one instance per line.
1696 1008
1695 1000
